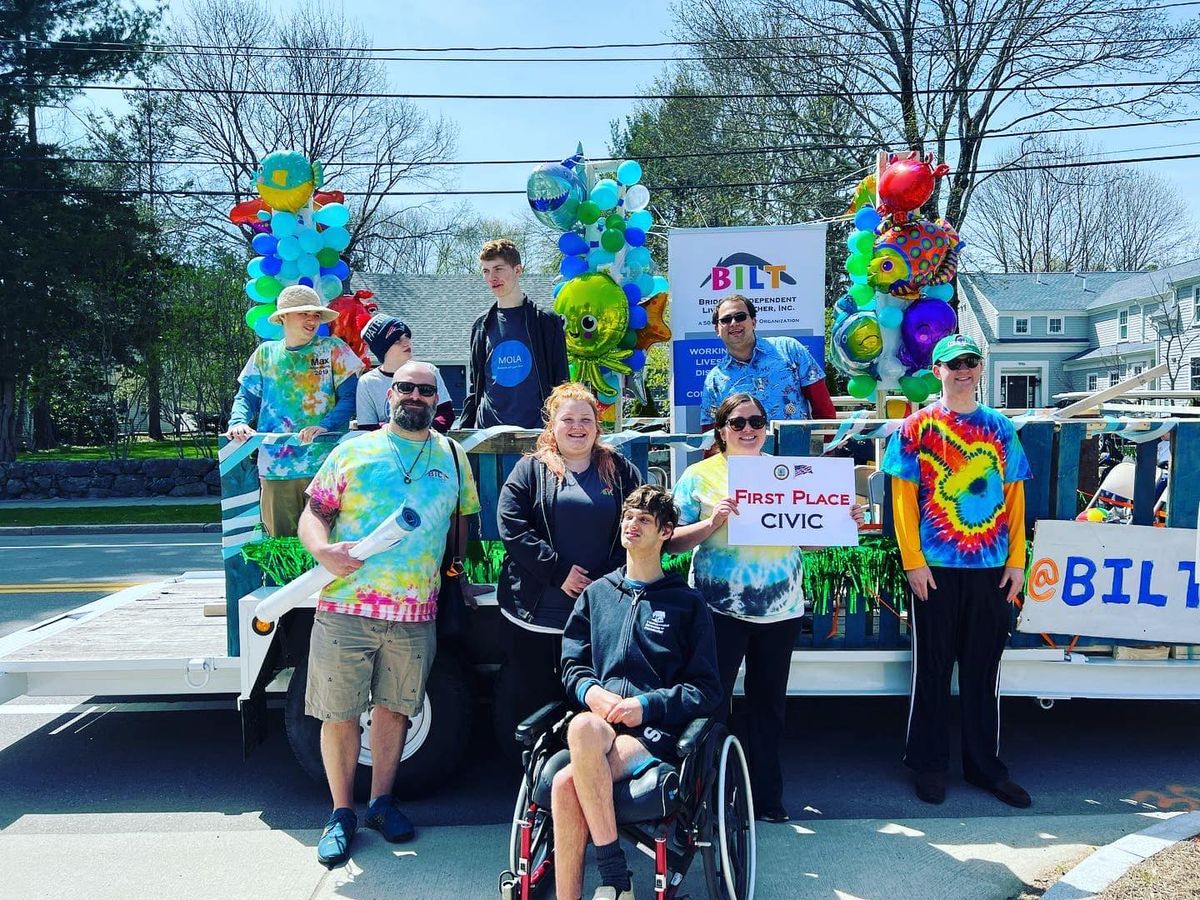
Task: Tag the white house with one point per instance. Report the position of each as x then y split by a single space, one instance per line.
1049 332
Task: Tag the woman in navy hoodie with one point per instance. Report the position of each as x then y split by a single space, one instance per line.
558 515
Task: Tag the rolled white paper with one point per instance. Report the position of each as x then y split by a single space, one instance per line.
390 532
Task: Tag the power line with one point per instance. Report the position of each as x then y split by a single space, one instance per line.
796 95
1058 14
865 143
811 179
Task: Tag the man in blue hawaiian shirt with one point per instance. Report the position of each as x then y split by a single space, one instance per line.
778 371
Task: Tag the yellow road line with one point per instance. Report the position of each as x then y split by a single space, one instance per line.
70 587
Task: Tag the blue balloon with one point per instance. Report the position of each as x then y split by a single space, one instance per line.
341 270
635 237
254 268
660 285
289 249
572 244
271 265
944 292
264 244
558 287
637 361
645 284
890 317
308 266
642 220
288 271
605 194
336 237
268 331
332 215
571 266
253 293
638 317
599 257
310 241
867 219
306 281
638 256
284 224
629 172
633 292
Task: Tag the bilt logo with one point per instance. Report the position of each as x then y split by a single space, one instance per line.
747 272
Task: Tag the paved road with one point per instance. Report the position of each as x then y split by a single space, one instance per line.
42 575
95 802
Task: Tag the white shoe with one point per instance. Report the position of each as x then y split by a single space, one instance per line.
605 892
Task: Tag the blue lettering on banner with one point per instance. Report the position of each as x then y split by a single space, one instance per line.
1116 594
1193 595
1076 579
1145 595
511 363
692 359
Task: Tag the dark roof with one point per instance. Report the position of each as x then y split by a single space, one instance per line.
440 309
1146 285
1035 291
1113 352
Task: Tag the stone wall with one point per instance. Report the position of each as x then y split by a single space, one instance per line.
110 478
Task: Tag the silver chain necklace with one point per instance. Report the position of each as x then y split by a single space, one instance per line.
407 471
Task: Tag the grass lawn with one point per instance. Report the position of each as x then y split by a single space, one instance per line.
144 449
172 514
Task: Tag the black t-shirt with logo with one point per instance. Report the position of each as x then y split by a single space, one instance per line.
509 374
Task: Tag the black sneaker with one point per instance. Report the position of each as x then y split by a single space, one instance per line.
385 817
931 786
1007 791
776 815
334 847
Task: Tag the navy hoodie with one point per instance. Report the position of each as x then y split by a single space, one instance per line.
656 643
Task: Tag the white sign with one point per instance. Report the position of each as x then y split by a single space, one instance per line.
781 268
1128 582
792 501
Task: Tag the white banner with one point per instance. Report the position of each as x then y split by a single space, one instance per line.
792 501
1129 582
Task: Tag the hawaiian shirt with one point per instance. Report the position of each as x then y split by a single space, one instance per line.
961 463
363 480
762 584
774 375
295 389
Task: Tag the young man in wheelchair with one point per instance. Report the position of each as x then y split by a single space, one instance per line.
639 657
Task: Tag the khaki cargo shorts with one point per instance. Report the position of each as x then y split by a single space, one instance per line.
355 662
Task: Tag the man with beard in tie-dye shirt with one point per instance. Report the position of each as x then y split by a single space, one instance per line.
957 472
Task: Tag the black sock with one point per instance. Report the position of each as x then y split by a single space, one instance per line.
614 871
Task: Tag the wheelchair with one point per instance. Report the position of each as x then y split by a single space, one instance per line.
702 805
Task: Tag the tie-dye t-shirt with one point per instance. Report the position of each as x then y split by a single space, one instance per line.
363 481
762 584
296 389
961 462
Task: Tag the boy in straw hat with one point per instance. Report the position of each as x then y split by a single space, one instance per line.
303 384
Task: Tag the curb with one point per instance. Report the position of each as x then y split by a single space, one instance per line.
149 528
1111 861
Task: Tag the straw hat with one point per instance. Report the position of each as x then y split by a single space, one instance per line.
300 299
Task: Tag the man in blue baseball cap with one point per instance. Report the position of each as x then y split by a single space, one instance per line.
958 499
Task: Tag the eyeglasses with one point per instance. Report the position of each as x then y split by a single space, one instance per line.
407 387
963 362
734 317
739 423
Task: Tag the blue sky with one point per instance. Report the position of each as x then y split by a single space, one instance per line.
543 129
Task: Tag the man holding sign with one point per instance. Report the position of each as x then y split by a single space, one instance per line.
754 587
957 470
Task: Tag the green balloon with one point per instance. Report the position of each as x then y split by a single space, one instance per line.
612 240
933 383
862 293
629 341
861 386
327 257
589 212
864 242
915 389
616 222
857 264
269 286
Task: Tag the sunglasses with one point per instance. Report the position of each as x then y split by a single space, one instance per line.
739 423
963 362
734 317
407 387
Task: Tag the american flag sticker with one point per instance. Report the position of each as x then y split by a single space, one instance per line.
803 470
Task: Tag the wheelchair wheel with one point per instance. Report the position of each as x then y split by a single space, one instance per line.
541 845
730 860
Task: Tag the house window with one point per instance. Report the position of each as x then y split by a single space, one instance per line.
1123 324
1054 325
1020 326
1195 306
1092 382
1195 373
1114 378
1137 370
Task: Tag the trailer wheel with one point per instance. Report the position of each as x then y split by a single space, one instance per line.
437 736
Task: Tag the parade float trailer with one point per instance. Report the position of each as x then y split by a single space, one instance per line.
156 640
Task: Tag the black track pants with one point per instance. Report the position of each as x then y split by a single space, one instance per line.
767 648
965 619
